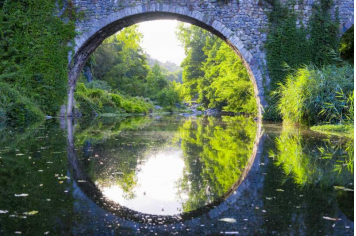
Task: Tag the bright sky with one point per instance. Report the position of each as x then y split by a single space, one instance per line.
156 188
160 41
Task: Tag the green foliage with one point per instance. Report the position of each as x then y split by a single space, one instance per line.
167 97
296 45
14 107
34 51
39 172
119 64
324 33
311 96
286 44
215 155
340 130
193 40
213 73
347 45
98 101
170 70
98 84
327 163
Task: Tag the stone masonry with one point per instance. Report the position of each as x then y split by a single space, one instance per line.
243 24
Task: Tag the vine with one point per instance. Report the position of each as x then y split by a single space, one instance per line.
34 50
290 44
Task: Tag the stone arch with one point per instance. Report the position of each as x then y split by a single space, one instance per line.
88 41
345 26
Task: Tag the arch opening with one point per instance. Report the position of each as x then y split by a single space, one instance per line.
89 41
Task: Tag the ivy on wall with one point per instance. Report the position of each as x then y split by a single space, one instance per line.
290 44
34 50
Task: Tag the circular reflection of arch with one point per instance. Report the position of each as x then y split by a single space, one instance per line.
103 28
93 192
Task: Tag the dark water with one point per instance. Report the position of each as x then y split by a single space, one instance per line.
174 175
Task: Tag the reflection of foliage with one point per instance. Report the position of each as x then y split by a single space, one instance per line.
113 149
104 128
127 183
327 162
33 161
215 154
104 134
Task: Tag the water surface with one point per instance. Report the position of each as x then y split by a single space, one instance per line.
186 175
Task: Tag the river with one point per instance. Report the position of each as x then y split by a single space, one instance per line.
171 174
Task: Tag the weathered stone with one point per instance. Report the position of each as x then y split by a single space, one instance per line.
239 22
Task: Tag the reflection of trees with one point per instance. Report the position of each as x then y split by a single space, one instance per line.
33 161
118 147
311 161
215 153
299 188
102 129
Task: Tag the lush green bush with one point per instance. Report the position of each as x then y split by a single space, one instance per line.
97 101
296 45
34 50
167 97
17 108
311 96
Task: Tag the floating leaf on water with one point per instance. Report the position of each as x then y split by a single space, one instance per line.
21 195
329 218
228 220
343 188
64 177
30 213
3 211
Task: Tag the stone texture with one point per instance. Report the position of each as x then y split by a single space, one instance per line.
241 23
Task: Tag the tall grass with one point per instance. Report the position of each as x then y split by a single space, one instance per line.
313 96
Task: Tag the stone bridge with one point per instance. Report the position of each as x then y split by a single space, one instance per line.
242 24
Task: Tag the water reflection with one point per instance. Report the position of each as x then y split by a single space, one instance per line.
153 190
53 181
312 159
216 152
173 165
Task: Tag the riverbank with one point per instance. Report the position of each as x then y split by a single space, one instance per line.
339 130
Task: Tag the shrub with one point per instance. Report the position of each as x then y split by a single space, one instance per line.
92 101
312 96
16 107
